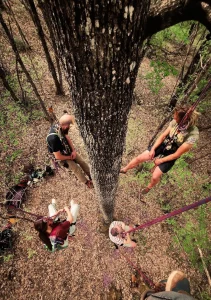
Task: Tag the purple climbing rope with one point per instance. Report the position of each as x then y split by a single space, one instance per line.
169 215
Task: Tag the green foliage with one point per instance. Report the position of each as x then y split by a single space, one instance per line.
26 236
21 45
205 295
31 253
171 222
161 69
193 234
14 119
15 154
178 33
8 257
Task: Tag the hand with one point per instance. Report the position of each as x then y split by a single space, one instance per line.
158 161
151 154
66 208
73 155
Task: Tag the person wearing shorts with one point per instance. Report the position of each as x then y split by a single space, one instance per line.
170 145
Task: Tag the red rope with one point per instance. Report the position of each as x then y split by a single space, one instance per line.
169 215
189 112
146 279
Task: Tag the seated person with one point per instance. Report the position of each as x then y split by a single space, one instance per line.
61 146
115 234
171 144
54 233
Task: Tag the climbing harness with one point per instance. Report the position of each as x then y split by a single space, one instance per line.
169 215
17 194
67 149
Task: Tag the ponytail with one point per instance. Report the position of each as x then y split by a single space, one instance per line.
41 227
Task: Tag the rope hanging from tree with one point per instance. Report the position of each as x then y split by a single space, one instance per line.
194 105
169 215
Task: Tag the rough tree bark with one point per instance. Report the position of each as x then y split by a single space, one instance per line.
34 15
100 46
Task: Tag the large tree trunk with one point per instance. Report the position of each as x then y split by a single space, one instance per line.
100 47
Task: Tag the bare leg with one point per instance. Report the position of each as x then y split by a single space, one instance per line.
52 208
155 177
74 211
136 161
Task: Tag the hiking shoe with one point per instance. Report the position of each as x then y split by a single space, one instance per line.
145 191
122 171
89 184
178 282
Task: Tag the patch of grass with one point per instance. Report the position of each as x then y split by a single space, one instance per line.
8 257
31 253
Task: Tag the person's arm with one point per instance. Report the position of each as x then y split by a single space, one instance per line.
57 213
69 215
128 242
158 142
73 154
60 156
185 147
127 239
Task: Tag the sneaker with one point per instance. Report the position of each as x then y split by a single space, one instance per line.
122 171
72 202
53 201
178 282
145 191
89 184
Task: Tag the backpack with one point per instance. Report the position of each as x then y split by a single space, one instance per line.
5 240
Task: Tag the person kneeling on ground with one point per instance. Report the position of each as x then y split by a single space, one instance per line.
177 288
116 230
61 146
171 144
54 233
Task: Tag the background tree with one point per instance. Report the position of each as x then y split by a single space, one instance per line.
3 76
22 65
31 8
100 46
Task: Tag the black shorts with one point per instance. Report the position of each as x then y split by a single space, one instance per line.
166 166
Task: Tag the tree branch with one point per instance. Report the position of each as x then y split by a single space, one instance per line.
170 12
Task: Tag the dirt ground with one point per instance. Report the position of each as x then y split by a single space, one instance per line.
91 265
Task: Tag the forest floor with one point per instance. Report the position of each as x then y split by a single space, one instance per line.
90 266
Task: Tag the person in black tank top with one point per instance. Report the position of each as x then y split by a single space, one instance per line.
61 146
